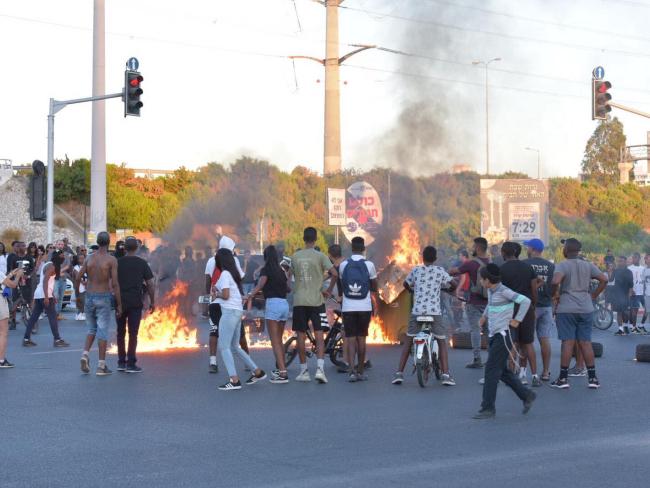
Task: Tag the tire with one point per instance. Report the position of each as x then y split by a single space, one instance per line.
436 368
643 353
336 356
598 349
463 340
290 350
26 313
423 367
603 318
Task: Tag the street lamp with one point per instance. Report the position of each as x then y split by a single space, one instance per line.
539 167
487 117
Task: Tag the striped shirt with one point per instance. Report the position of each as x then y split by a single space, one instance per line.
501 307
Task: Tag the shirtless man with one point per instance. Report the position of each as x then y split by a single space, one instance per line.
102 283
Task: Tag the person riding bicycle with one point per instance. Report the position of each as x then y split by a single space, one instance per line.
425 282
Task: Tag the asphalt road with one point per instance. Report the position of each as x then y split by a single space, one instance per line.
170 427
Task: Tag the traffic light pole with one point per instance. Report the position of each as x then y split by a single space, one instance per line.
629 109
55 107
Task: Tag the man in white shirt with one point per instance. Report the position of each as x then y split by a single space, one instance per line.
636 300
358 287
646 293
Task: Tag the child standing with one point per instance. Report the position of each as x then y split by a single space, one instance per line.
499 315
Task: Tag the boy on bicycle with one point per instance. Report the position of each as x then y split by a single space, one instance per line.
425 282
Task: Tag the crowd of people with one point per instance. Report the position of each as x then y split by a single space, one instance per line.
510 300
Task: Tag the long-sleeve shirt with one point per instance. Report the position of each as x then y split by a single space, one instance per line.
500 308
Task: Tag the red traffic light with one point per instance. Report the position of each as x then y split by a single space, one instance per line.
135 82
602 87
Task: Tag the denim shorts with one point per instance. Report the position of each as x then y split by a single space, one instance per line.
276 309
99 314
545 322
574 326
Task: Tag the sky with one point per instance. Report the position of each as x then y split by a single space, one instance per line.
218 83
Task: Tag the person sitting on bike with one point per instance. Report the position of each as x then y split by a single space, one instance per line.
425 282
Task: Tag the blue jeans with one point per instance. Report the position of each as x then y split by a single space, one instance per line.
229 331
99 313
59 290
474 313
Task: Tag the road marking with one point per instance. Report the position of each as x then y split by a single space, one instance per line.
55 352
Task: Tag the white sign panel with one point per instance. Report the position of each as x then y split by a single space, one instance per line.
524 221
336 206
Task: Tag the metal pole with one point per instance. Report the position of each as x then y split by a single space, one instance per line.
539 167
336 235
50 173
332 139
98 149
487 124
629 109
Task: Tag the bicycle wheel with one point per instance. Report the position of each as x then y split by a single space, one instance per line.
423 367
436 366
603 317
26 313
290 350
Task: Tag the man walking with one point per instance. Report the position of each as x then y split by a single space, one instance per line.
620 294
132 273
575 309
544 322
60 281
636 299
101 269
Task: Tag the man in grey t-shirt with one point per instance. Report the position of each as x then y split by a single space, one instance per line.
575 309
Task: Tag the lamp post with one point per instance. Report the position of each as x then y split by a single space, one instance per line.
539 167
487 116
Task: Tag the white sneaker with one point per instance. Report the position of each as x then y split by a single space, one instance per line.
481 381
304 376
320 376
83 316
523 378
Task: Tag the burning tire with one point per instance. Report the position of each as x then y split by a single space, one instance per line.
643 353
463 340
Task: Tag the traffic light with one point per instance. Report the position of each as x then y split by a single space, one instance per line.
132 93
600 99
38 194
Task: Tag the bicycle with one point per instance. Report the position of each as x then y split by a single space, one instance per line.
333 344
603 317
23 306
425 352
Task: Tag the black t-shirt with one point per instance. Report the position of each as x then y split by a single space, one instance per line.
623 282
545 270
132 272
276 283
251 267
517 275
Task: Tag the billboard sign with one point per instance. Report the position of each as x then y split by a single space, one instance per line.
364 214
336 207
514 210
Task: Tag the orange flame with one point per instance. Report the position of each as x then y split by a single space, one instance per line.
376 334
406 248
166 328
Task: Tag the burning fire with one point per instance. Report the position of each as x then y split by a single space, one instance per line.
166 328
376 334
406 255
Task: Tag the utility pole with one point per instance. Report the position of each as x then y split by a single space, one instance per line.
539 166
98 144
487 113
332 142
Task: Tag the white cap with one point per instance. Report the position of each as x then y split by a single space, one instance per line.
227 243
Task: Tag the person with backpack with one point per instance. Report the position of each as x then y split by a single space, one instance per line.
358 287
477 297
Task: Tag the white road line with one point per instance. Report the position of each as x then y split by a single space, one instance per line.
56 352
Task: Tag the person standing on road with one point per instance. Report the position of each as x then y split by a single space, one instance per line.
274 285
544 322
60 282
575 309
101 268
228 292
636 299
309 267
132 273
500 316
646 294
477 297
44 300
621 292
79 287
7 283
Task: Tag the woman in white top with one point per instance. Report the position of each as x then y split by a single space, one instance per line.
80 293
228 292
3 259
6 283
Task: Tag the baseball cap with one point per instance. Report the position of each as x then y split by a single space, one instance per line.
536 244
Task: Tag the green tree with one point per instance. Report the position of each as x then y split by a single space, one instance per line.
602 154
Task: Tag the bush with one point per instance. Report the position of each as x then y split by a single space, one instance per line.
9 235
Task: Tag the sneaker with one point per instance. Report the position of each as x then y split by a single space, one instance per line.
481 381
524 380
560 383
642 330
103 371
121 366
620 332
304 376
230 386
280 378
77 317
60 343
256 377
133 369
6 364
344 368
320 376
214 369
577 372
593 383
484 414
536 381
28 343
398 379
529 402
352 378
85 364
635 331
447 380
83 316
362 377
475 364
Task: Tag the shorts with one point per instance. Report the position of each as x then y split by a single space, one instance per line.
436 327
574 326
646 302
276 309
525 333
214 313
636 301
303 315
356 323
544 322
4 308
620 304
99 314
